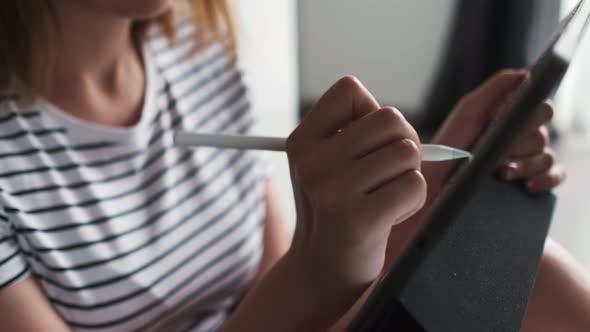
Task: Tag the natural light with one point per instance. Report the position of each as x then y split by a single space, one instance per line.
572 99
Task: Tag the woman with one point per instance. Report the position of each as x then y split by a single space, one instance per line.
106 226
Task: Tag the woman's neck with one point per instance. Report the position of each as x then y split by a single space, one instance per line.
98 74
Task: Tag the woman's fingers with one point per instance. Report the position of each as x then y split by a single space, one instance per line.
372 132
540 172
528 167
385 164
346 205
543 116
536 138
408 191
470 118
473 113
531 143
495 91
530 158
547 181
347 100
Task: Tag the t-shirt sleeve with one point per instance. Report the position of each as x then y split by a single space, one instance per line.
13 266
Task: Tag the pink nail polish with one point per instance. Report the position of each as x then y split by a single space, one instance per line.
532 185
510 171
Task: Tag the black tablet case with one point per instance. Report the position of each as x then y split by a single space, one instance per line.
472 265
500 236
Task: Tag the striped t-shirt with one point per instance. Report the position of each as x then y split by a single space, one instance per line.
123 230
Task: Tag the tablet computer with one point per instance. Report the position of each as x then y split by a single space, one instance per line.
472 265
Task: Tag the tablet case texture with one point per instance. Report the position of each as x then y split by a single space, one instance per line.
480 276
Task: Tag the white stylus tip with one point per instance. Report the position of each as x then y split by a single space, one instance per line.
460 154
443 153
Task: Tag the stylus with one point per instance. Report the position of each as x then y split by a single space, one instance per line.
430 152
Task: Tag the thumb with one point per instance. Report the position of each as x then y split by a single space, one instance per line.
469 120
473 113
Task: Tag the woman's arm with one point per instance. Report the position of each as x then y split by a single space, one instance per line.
24 308
276 236
350 186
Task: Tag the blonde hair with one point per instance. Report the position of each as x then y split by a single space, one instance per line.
29 31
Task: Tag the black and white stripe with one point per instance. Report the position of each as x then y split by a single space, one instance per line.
123 229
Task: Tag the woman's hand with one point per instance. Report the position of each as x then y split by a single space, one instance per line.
530 159
355 170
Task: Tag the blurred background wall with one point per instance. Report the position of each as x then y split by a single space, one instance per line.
572 120
269 60
392 46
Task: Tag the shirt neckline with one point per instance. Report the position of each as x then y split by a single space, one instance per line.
133 132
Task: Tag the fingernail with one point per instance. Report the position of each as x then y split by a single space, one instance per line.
522 72
523 75
510 171
532 185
